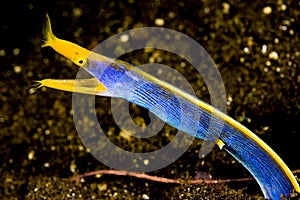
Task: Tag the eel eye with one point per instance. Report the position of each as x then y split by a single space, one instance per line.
80 61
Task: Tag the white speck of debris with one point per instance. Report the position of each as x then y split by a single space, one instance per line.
283 7
124 38
159 71
246 50
145 196
146 162
206 10
47 132
278 69
266 128
171 15
72 167
267 10
229 100
31 155
159 22
273 55
2 52
282 27
30 91
115 194
226 8
16 51
264 49
268 63
17 69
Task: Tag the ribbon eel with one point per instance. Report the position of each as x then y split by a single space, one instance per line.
183 111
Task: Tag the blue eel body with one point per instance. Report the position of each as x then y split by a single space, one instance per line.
184 115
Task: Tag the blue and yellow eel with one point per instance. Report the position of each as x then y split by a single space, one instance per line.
185 112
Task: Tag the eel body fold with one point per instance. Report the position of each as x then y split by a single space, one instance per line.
183 111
